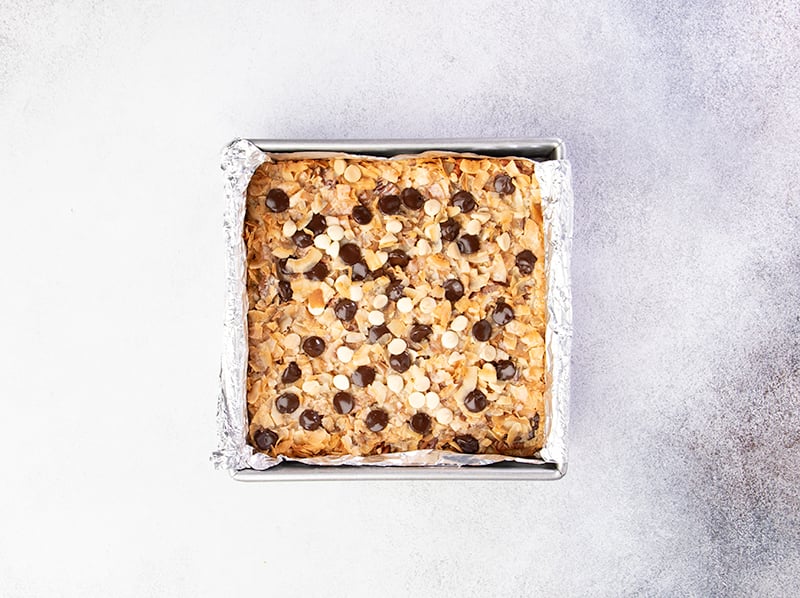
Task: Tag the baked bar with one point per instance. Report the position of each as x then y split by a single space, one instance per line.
395 305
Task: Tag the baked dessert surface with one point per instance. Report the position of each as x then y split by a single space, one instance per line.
395 305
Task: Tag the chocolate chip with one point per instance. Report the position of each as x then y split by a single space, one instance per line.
449 229
419 332
389 204
277 200
400 363
343 402
317 224
505 368
318 272
350 253
265 439
482 330
503 184
282 266
288 402
345 310
376 420
362 215
525 261
475 401
363 376
376 332
398 257
420 422
291 374
395 291
310 420
302 239
382 271
468 244
359 271
502 314
467 443
314 346
453 290
285 291
412 199
535 422
464 200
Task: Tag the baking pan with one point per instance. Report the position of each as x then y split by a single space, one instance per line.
538 149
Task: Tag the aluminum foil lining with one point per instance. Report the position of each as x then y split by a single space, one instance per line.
240 159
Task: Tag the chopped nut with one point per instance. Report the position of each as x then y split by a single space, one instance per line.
423 247
473 227
504 241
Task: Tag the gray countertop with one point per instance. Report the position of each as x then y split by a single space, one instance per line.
682 124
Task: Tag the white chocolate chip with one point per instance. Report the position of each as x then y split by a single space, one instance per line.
352 174
427 305
345 354
504 241
488 353
289 228
356 293
432 207
380 301
322 241
459 323
376 317
335 232
449 340
291 341
341 382
431 400
338 166
394 382
422 384
444 416
397 346
423 247
394 226
404 305
333 249
417 400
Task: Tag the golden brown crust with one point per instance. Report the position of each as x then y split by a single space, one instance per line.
440 377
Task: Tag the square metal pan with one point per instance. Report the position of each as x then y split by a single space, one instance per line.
538 149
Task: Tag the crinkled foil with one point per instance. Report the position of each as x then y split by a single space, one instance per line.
239 160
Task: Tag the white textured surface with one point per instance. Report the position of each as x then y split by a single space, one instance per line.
682 125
